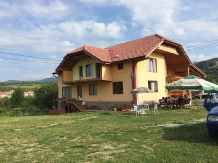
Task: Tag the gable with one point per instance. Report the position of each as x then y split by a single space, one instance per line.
168 49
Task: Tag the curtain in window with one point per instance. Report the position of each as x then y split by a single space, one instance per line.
152 65
93 89
67 92
153 86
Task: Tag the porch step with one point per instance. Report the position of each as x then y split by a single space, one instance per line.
80 106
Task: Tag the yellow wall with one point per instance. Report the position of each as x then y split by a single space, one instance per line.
168 49
144 76
60 85
67 76
83 63
106 72
105 88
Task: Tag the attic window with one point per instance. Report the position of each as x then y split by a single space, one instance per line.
116 56
120 66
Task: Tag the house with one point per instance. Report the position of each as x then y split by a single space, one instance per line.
28 93
7 94
105 76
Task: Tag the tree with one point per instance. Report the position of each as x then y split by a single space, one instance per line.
45 94
17 98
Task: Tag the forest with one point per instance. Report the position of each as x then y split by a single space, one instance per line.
210 67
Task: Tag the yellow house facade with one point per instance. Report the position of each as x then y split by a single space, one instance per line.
94 75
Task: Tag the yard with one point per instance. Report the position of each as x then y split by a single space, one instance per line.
172 136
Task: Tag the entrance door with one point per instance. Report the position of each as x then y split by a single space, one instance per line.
79 92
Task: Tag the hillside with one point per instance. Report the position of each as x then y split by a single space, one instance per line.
210 67
25 85
51 79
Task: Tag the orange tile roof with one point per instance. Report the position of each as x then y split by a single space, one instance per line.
132 49
98 53
136 48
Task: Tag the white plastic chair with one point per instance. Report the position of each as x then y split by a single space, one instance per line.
139 109
147 108
155 109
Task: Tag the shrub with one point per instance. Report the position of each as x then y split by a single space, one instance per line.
17 98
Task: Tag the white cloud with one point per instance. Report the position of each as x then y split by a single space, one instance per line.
201 57
99 29
95 1
38 9
50 29
115 30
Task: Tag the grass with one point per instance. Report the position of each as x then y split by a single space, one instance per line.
171 136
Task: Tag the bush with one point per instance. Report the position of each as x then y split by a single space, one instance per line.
3 112
17 98
44 96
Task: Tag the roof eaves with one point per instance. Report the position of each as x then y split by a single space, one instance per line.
155 46
93 56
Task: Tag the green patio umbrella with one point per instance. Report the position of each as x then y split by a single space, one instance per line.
192 83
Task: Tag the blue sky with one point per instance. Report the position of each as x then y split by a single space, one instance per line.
48 29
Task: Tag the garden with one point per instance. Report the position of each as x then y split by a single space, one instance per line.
176 135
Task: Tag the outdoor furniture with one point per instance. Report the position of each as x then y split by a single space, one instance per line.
146 108
139 109
184 102
154 107
162 104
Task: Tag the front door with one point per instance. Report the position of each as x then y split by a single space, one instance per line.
79 92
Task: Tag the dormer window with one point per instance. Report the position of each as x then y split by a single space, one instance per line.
120 66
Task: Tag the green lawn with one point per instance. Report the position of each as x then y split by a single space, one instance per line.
172 136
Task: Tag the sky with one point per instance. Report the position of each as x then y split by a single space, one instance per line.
36 35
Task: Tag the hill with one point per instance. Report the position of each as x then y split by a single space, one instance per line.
210 67
51 79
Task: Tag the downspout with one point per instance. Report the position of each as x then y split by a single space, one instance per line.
133 77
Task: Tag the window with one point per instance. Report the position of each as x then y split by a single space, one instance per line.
89 70
67 92
98 70
152 85
120 66
152 65
80 72
118 88
93 89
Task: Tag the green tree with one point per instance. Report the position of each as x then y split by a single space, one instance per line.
5 103
17 98
44 95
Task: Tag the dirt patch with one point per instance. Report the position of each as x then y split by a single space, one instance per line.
88 118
